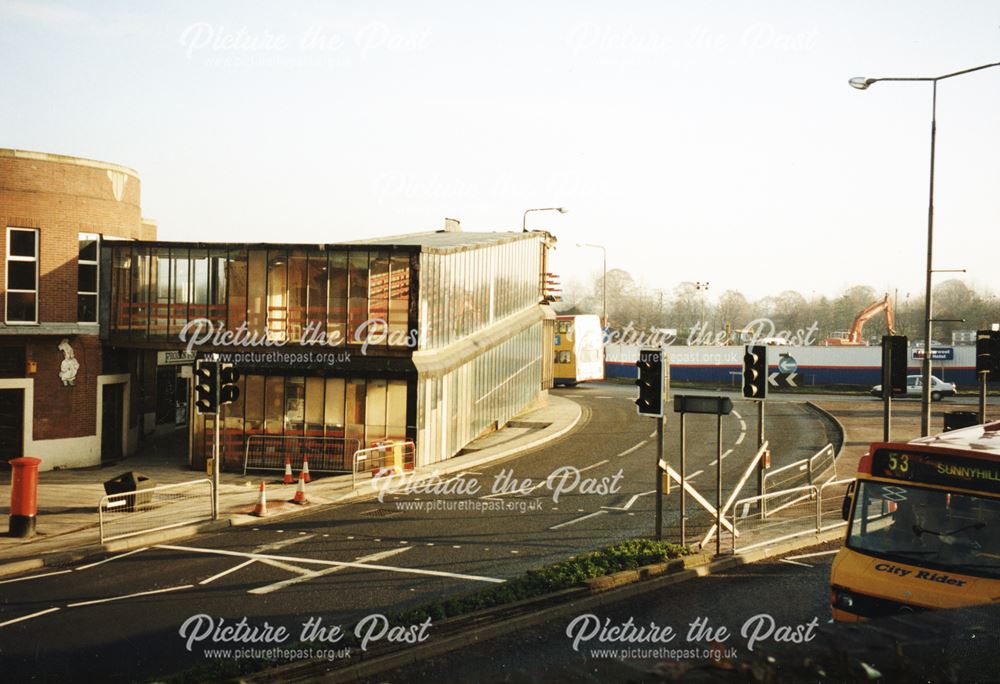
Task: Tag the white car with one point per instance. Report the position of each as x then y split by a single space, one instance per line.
914 388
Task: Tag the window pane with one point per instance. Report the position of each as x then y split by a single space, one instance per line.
254 404
22 243
334 413
217 287
237 278
179 278
395 417
86 308
316 294
21 275
160 294
295 404
378 297
314 406
21 306
274 405
86 277
277 293
256 279
88 249
355 410
399 298
296 294
357 312
375 414
336 321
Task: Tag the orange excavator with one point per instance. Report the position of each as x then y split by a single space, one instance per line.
852 338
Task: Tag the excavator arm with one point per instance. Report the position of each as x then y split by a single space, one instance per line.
884 304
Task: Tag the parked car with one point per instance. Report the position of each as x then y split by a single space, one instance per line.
914 388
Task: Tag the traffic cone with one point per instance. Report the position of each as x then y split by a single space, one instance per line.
305 469
288 470
300 492
260 510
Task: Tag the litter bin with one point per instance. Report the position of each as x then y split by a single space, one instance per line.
131 482
953 420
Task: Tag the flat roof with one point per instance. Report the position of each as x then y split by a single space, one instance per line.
449 240
65 159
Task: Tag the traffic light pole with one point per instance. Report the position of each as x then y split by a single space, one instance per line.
982 396
659 478
760 443
215 463
683 482
718 485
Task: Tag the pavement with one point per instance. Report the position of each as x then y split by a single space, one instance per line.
68 521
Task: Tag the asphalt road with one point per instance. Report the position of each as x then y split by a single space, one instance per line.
793 591
121 619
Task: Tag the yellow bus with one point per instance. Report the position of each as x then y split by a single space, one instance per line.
923 527
579 349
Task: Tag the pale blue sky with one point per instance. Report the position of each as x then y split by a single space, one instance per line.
671 130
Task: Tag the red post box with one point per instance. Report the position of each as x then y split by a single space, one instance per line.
23 496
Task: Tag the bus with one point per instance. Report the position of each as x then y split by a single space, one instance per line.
923 527
579 350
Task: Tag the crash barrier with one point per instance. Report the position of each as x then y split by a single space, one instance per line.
789 513
325 454
385 458
127 514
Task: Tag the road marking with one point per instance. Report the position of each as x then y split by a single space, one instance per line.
285 566
108 560
605 397
226 572
813 555
47 574
635 497
274 546
28 617
630 450
576 520
695 474
739 440
317 561
737 414
794 562
724 454
119 598
592 465
313 574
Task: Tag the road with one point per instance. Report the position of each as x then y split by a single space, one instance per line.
121 617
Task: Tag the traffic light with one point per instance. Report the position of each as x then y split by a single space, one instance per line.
755 372
650 382
895 362
229 391
206 387
988 352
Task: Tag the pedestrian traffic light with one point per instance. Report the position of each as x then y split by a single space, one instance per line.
894 364
755 372
206 387
988 352
650 382
229 391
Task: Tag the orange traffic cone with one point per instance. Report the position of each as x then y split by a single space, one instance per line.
260 510
300 492
305 469
288 470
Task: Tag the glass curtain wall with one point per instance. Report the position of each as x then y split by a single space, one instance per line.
485 392
465 291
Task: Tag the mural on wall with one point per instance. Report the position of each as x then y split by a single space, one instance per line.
69 366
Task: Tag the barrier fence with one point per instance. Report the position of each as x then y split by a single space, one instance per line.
805 472
387 458
788 513
325 454
156 508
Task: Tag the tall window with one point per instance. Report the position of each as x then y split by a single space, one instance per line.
86 288
22 275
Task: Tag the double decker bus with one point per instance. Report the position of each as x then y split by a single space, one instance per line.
579 349
923 527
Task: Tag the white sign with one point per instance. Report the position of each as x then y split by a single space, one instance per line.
174 358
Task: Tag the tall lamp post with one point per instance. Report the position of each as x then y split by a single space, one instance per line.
604 282
862 83
524 219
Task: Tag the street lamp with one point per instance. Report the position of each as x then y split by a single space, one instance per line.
862 83
524 219
604 281
702 288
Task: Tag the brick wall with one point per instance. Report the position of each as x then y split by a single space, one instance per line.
62 411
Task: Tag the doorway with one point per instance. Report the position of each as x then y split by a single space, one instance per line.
11 425
112 422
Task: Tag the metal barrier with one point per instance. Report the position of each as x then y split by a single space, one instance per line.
805 472
382 458
789 513
325 454
157 508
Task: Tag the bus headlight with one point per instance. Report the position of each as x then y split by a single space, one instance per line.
842 598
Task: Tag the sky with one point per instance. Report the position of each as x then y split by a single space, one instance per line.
696 141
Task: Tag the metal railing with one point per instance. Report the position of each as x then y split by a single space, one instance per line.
805 472
157 508
382 458
788 513
325 454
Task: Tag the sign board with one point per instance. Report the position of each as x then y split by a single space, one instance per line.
937 353
175 358
715 406
787 364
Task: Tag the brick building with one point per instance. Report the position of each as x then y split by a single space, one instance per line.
65 397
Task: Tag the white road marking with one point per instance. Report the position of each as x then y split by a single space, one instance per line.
695 474
604 397
108 560
31 577
576 520
793 562
631 449
317 561
813 555
592 465
628 505
739 440
724 454
313 574
285 566
119 598
274 546
28 617
737 414
537 485
652 434
226 572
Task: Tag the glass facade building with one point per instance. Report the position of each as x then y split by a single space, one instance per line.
431 337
